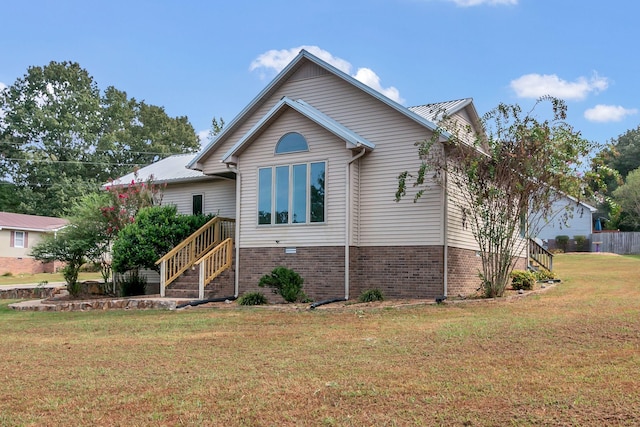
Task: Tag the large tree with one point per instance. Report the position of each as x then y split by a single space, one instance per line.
516 165
624 152
60 138
628 197
135 133
50 120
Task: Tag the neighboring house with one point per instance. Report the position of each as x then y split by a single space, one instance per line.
191 191
568 217
314 160
18 234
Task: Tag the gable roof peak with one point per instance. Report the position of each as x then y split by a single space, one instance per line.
281 78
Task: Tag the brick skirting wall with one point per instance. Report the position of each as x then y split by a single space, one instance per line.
322 269
398 271
26 265
463 269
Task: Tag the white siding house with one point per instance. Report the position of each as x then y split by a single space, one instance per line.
568 217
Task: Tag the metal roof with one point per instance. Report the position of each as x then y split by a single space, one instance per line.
435 112
15 221
169 169
311 113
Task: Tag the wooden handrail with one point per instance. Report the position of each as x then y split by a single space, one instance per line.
183 256
195 234
540 255
214 263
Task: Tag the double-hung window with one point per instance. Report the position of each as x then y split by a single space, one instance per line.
291 194
18 239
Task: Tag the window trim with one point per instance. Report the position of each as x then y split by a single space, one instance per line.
15 239
193 195
275 150
290 222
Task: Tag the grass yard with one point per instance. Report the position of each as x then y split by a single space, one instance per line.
569 356
24 278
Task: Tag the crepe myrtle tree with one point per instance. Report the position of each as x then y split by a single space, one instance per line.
517 164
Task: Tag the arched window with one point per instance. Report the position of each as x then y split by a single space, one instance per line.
291 142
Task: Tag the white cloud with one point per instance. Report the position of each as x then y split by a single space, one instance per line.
608 113
276 60
371 79
537 85
204 137
469 3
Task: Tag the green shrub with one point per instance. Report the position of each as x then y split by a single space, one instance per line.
252 298
284 282
70 274
371 295
522 279
156 230
132 284
8 274
581 243
542 275
562 242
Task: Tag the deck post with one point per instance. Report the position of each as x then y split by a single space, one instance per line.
163 277
201 275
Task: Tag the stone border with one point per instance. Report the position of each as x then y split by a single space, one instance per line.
158 303
28 293
98 304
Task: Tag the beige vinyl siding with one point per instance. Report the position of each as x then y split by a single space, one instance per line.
382 221
323 147
34 237
459 228
354 187
219 196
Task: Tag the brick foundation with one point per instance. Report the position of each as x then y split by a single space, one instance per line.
398 271
26 265
463 269
322 269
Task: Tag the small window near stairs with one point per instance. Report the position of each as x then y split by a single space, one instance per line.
197 204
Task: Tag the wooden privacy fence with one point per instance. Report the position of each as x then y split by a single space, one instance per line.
623 243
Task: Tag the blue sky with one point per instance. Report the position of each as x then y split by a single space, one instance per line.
210 58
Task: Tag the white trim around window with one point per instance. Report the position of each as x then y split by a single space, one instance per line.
18 239
292 194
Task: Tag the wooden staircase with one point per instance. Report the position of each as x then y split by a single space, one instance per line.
187 286
198 260
539 257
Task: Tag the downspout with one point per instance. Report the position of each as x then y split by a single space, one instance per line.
237 230
445 232
347 227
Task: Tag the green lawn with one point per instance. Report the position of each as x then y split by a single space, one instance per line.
568 356
21 278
